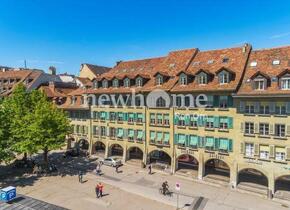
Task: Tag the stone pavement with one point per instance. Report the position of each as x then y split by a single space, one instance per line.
136 180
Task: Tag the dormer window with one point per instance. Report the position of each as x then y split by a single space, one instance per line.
73 100
225 60
202 78
105 84
159 80
276 62
253 64
139 82
224 77
183 79
127 82
95 84
285 83
115 83
259 84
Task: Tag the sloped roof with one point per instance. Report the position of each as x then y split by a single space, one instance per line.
264 59
211 61
97 70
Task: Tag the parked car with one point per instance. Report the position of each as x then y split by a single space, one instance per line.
111 161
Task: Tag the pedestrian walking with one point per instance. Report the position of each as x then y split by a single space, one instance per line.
150 169
97 191
117 168
101 188
80 176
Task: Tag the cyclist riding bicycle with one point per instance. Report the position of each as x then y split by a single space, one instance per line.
165 187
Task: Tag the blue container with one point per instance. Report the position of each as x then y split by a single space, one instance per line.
7 194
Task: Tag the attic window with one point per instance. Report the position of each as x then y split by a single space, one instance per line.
202 78
259 84
159 80
209 61
115 83
276 62
253 64
95 84
127 82
225 60
224 77
105 84
183 79
139 82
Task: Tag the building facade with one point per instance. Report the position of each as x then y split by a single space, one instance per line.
217 115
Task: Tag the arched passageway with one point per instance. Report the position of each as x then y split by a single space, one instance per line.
99 148
252 177
217 170
135 153
83 144
160 160
116 150
187 164
282 187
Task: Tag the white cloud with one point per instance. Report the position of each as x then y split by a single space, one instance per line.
277 36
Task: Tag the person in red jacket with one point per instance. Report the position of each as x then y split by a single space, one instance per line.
100 186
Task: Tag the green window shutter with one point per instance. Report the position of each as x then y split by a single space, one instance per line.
176 138
210 142
193 141
135 117
216 143
215 101
200 121
230 122
200 142
216 123
152 135
230 101
230 145
166 138
176 119
187 120
107 116
125 116
187 140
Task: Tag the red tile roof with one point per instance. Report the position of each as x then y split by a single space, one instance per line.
212 62
264 59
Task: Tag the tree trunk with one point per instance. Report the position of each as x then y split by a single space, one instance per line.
25 156
45 156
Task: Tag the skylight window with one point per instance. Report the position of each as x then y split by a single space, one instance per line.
276 62
226 60
210 61
171 65
253 64
196 63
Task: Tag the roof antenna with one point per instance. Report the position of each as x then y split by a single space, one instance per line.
25 64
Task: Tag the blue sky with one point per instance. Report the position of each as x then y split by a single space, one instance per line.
68 33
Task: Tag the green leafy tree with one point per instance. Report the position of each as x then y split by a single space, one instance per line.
18 107
6 153
48 125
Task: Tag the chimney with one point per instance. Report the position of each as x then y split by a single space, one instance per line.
51 85
52 70
245 47
118 62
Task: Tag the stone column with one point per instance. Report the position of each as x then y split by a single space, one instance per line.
271 185
201 167
234 175
173 164
107 150
125 154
